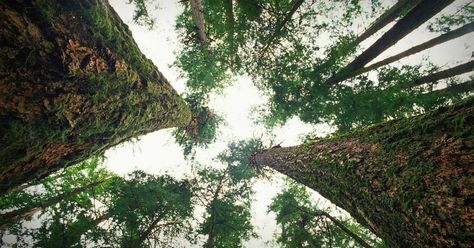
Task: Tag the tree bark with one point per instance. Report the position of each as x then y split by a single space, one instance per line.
73 83
20 214
468 28
410 181
451 72
417 16
198 19
387 17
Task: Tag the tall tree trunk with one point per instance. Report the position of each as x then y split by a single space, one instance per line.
210 235
279 27
73 83
468 28
230 20
417 16
411 181
387 17
451 72
456 89
20 214
198 19
346 230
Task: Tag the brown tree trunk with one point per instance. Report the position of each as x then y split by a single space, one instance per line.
73 83
198 19
387 17
451 72
20 214
468 28
411 181
417 16
456 89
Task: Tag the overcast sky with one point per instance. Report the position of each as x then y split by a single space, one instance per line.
157 153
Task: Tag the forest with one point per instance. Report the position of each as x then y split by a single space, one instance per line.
237 123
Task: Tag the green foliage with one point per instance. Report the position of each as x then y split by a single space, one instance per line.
226 196
141 14
446 23
203 128
63 219
304 225
237 158
139 210
146 210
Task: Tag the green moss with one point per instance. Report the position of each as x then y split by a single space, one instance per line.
101 109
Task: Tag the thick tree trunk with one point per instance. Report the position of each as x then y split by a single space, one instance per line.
417 16
20 214
468 28
411 181
451 72
73 83
198 19
387 17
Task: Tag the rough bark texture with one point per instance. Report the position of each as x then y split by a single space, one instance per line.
73 83
411 181
417 16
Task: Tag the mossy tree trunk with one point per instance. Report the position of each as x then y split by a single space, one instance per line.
411 181
73 83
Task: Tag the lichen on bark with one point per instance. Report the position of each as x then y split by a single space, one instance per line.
411 181
73 83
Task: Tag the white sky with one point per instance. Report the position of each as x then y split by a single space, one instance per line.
157 153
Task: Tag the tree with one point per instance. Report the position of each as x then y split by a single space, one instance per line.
61 202
305 225
203 128
387 17
147 210
76 84
417 16
457 70
445 23
468 28
401 179
20 214
226 196
198 18
140 210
